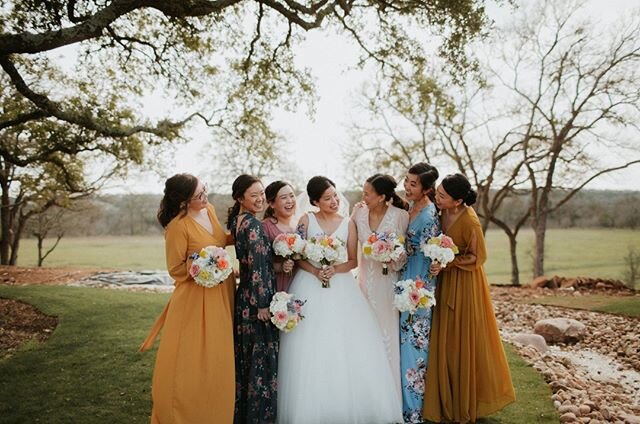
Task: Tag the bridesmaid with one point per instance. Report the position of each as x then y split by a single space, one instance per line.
193 379
256 339
468 375
277 220
384 211
419 186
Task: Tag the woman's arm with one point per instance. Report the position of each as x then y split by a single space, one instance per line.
177 257
352 251
301 229
475 253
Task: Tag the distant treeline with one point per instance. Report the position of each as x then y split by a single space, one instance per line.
135 214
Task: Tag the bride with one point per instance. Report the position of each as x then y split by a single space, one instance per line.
333 367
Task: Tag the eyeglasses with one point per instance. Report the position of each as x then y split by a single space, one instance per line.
202 195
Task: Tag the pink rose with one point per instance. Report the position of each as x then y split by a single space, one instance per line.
379 247
281 316
195 270
414 296
447 242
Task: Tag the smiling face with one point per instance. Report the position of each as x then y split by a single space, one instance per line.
370 197
253 198
284 205
413 188
199 199
329 202
444 200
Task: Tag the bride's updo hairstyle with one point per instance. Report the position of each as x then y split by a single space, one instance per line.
428 175
316 186
271 193
239 186
178 191
385 185
458 187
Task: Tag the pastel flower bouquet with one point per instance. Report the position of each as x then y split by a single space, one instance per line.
439 249
210 266
325 250
411 295
384 247
286 311
289 246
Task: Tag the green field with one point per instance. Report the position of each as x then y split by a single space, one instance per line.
89 371
570 252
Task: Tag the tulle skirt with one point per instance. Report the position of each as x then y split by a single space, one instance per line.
333 367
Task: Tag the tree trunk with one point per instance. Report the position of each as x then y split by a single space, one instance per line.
15 245
515 271
5 213
40 241
540 230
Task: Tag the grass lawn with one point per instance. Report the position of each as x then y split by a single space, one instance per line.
627 305
89 371
570 252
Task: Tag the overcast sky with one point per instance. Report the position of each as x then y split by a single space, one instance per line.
317 144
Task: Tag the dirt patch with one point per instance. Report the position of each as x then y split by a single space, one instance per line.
20 323
15 275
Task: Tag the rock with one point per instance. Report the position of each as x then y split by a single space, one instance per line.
568 417
534 340
584 409
630 419
560 330
569 408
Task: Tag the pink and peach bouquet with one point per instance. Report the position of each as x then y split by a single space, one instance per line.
286 311
439 249
384 247
289 246
210 266
325 250
411 295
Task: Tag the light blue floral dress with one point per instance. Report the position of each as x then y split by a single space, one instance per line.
414 334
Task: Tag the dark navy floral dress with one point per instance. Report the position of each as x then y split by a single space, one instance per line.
256 342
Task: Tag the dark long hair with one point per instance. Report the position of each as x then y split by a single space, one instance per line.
271 193
459 188
385 185
316 186
178 191
428 175
239 186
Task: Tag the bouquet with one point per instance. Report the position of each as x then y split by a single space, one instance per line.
411 295
286 311
289 246
440 249
325 250
210 266
384 247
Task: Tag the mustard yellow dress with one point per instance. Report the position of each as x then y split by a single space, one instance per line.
194 375
468 376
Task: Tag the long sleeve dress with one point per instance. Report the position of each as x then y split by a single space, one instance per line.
468 376
379 288
283 279
193 378
414 333
256 342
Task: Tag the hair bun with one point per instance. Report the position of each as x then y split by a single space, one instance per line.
471 197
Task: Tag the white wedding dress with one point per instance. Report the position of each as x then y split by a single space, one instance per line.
333 368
